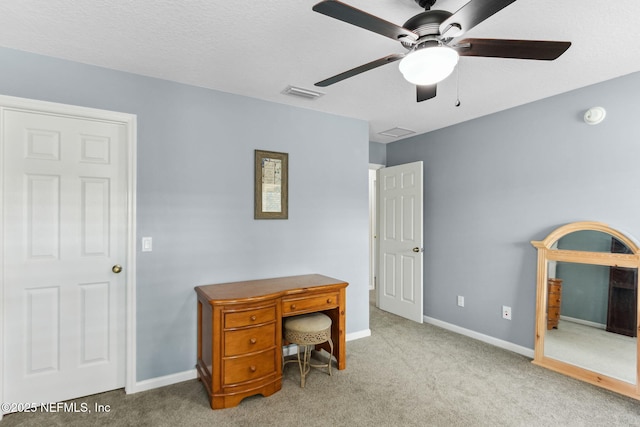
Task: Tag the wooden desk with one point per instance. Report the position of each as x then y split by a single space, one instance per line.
240 331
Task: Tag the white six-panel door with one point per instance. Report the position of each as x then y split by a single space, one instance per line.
65 227
400 238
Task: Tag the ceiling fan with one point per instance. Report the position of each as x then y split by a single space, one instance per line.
428 36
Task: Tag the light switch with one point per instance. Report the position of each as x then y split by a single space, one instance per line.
147 244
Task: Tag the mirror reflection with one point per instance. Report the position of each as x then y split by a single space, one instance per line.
591 310
591 241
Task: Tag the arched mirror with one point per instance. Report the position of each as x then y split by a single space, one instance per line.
587 306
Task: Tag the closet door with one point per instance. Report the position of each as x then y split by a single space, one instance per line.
65 239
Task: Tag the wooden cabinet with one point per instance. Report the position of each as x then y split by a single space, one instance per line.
554 299
238 350
240 331
623 296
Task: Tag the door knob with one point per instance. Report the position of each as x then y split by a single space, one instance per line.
116 268
416 249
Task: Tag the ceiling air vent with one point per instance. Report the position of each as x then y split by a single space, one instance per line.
302 93
396 132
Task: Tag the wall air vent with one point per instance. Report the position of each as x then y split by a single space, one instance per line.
396 132
302 93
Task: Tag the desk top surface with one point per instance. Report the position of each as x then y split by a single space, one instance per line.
258 289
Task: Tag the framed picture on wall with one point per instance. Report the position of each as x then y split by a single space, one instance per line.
271 198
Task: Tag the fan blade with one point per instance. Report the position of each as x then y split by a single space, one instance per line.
357 17
470 15
425 92
519 49
361 69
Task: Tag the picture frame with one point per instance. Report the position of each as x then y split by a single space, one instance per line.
271 198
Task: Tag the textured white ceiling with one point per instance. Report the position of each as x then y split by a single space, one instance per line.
259 48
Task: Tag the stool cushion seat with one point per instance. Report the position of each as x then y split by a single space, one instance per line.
313 322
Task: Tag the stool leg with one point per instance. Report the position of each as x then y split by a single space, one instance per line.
300 363
304 364
330 361
330 355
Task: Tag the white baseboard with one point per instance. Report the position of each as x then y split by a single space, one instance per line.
192 374
527 352
357 335
162 381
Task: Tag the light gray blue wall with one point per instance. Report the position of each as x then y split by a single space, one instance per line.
377 153
493 184
195 193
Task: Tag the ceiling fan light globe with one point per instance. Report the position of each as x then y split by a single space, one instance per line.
429 65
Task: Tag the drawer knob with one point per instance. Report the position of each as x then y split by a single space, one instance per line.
253 341
252 368
293 306
329 300
253 318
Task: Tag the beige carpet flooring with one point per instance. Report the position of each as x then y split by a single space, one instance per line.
405 374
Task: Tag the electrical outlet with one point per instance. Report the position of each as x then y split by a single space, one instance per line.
460 301
147 244
506 312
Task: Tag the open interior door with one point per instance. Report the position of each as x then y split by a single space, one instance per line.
400 239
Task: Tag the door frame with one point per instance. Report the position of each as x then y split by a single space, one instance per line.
130 123
373 225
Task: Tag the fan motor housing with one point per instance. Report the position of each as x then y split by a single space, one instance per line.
426 23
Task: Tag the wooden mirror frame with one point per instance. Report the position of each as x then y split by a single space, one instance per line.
545 254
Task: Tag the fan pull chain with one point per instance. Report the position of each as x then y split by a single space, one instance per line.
457 104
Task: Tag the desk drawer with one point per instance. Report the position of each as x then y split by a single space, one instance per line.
309 303
243 318
249 340
249 367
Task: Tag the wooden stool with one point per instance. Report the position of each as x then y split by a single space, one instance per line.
306 331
